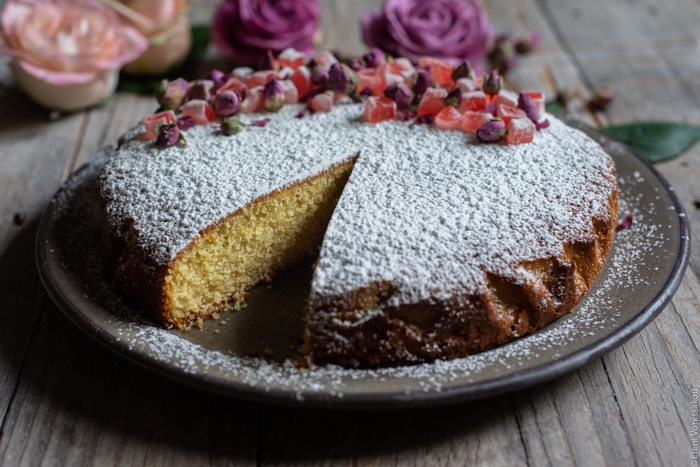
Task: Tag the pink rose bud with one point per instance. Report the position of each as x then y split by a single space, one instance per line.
492 109
356 65
185 123
168 136
268 62
454 97
602 98
200 89
374 58
525 45
231 126
525 103
274 95
422 82
503 56
399 93
226 104
218 77
492 131
319 75
464 70
171 94
491 83
342 79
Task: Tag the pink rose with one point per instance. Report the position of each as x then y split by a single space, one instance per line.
246 29
454 30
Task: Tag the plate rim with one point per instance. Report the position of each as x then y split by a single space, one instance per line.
385 400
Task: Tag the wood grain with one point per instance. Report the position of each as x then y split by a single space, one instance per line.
64 400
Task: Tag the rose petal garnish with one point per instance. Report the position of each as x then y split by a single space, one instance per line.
626 222
185 123
260 123
543 124
301 114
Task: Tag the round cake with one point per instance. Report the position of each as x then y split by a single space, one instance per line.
429 244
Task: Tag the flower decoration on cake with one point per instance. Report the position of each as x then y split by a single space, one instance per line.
67 53
245 30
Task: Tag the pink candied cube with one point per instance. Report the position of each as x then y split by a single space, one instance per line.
232 84
199 110
291 57
369 78
440 70
379 109
506 97
261 78
323 102
467 85
432 102
302 79
285 73
326 58
254 101
449 118
520 131
391 78
291 95
243 73
396 66
474 101
508 112
472 121
153 122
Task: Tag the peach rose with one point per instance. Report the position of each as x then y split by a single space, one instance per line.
67 52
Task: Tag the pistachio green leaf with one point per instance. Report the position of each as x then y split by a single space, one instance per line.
656 141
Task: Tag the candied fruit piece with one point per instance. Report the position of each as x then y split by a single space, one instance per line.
379 109
369 78
323 102
390 78
467 85
291 57
291 94
506 97
432 102
261 78
440 70
520 131
473 120
396 66
302 79
508 112
449 118
285 73
153 122
326 58
232 84
254 101
243 73
474 101
200 110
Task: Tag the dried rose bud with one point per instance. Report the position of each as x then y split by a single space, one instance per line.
356 65
185 123
366 92
261 122
274 95
342 79
464 70
492 109
503 56
491 131
424 120
405 116
218 77
542 124
399 93
491 83
231 126
454 97
226 104
268 62
171 94
200 89
319 75
422 82
525 103
374 58
169 135
602 98
626 222
525 45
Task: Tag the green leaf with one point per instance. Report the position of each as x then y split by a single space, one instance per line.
554 107
656 141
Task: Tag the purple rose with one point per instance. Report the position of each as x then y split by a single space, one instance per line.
246 29
454 30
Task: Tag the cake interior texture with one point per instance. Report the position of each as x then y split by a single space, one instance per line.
262 239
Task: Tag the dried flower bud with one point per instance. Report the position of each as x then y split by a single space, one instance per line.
424 120
626 222
171 94
525 45
454 97
602 98
200 89
274 95
464 70
492 109
342 79
268 62
226 104
218 77
525 103
168 135
366 92
374 58
503 56
422 82
319 75
231 126
491 131
356 65
405 116
542 124
399 93
185 123
491 83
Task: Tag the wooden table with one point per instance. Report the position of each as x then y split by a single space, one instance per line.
64 399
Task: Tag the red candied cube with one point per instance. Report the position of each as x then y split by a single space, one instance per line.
379 109
449 118
467 85
369 78
472 121
474 101
153 122
520 131
291 57
261 78
291 95
508 112
285 73
396 66
254 101
390 78
440 70
200 110
232 84
323 102
326 58
432 102
506 97
302 79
